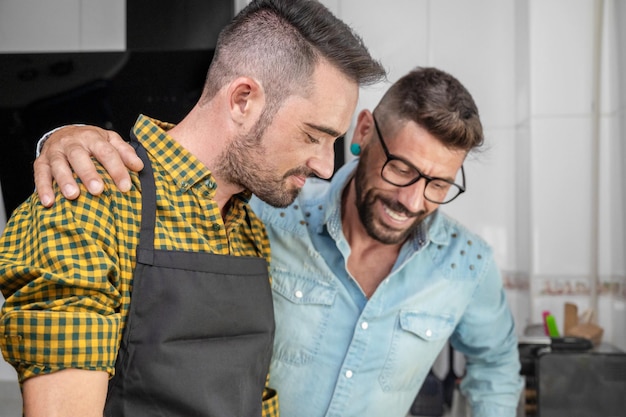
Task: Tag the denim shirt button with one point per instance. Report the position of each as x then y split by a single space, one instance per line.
365 325
429 333
299 294
349 374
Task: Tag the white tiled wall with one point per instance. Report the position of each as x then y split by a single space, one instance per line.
396 32
613 204
474 40
561 195
378 24
62 25
572 205
103 25
561 41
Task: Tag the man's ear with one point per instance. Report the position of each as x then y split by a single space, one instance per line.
364 128
246 99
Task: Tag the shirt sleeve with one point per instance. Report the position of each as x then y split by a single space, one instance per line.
60 273
270 403
486 336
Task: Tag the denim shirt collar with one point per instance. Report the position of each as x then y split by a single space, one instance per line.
433 228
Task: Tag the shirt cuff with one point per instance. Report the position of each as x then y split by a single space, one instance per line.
493 410
270 403
35 341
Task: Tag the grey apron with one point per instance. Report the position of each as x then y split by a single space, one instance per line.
198 338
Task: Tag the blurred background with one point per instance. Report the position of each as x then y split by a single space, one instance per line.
548 192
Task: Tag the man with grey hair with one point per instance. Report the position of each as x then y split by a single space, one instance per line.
156 301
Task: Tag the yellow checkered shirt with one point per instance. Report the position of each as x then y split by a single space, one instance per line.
66 272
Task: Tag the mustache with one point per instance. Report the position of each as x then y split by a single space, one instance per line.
300 172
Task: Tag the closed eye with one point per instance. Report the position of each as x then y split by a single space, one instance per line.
313 140
439 185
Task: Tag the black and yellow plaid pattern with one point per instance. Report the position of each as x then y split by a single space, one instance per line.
66 272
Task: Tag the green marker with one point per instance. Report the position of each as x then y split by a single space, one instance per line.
553 330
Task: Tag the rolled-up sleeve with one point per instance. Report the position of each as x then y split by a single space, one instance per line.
38 342
64 273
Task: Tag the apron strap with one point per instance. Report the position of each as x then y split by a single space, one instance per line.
145 250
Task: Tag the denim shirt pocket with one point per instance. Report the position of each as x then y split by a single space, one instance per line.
417 339
297 341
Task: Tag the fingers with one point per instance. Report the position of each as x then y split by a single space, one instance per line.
53 163
71 148
124 158
43 182
67 156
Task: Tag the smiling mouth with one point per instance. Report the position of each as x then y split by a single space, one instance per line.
394 215
300 180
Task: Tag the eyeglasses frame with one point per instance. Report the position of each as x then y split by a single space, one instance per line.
428 179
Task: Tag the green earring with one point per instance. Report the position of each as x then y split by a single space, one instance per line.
355 149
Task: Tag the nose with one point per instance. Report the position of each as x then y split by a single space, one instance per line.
323 163
412 197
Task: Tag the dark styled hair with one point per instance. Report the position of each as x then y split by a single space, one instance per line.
280 42
436 101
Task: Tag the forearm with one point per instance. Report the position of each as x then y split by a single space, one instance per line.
70 392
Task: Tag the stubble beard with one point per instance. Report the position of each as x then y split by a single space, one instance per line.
366 201
246 163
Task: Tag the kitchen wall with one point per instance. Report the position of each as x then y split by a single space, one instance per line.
548 192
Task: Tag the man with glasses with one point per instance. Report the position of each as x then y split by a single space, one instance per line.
370 280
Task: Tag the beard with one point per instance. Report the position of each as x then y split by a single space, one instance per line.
245 162
366 200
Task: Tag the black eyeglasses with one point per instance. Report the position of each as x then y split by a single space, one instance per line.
401 173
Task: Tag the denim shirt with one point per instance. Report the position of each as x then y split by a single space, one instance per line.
338 354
